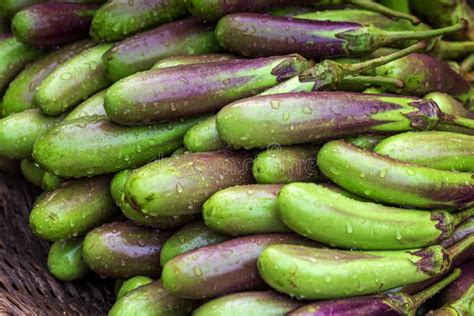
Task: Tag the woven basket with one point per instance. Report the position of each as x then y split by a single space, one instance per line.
26 287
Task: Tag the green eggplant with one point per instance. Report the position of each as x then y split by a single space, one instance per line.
438 150
123 250
118 19
329 217
73 81
117 186
32 172
72 209
182 60
221 268
462 231
8 8
190 237
244 210
93 145
140 52
394 182
286 164
65 260
152 300
180 151
94 105
204 137
180 185
14 56
368 141
21 93
19 131
252 303
315 274
133 283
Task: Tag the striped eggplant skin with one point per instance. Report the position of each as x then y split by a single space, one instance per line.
167 94
262 303
141 51
434 149
423 74
312 117
180 185
118 19
182 60
212 10
14 56
391 181
221 268
48 25
462 231
21 92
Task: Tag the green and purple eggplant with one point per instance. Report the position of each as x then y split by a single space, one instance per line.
464 306
321 214
167 94
21 92
212 10
117 187
462 231
244 210
123 250
318 273
458 288
73 81
140 52
132 284
151 300
180 185
190 237
19 131
72 209
14 56
258 35
94 145
367 141
204 137
251 303
48 25
182 60
65 261
93 106
286 164
391 181
434 149
222 268
118 19
377 305
310 117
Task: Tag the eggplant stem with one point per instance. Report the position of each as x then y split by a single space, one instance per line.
457 250
377 7
460 217
424 295
374 80
392 36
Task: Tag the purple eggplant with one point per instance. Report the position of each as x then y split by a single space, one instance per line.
259 35
459 287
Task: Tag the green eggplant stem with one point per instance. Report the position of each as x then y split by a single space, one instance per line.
374 80
460 217
457 250
424 295
377 7
456 120
453 50
468 63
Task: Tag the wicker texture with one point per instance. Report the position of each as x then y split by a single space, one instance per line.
26 287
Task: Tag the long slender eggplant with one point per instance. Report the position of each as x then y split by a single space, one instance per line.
308 117
394 182
261 303
212 10
329 217
180 185
140 52
222 268
51 24
382 304
177 92
439 150
257 35
14 56
94 145
21 92
462 231
318 273
464 306
458 288
182 60
118 19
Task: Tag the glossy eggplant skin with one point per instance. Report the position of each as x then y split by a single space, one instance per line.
141 51
48 25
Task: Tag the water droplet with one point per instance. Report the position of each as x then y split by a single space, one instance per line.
197 271
179 188
349 228
382 173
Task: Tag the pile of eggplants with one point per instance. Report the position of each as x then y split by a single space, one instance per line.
267 157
